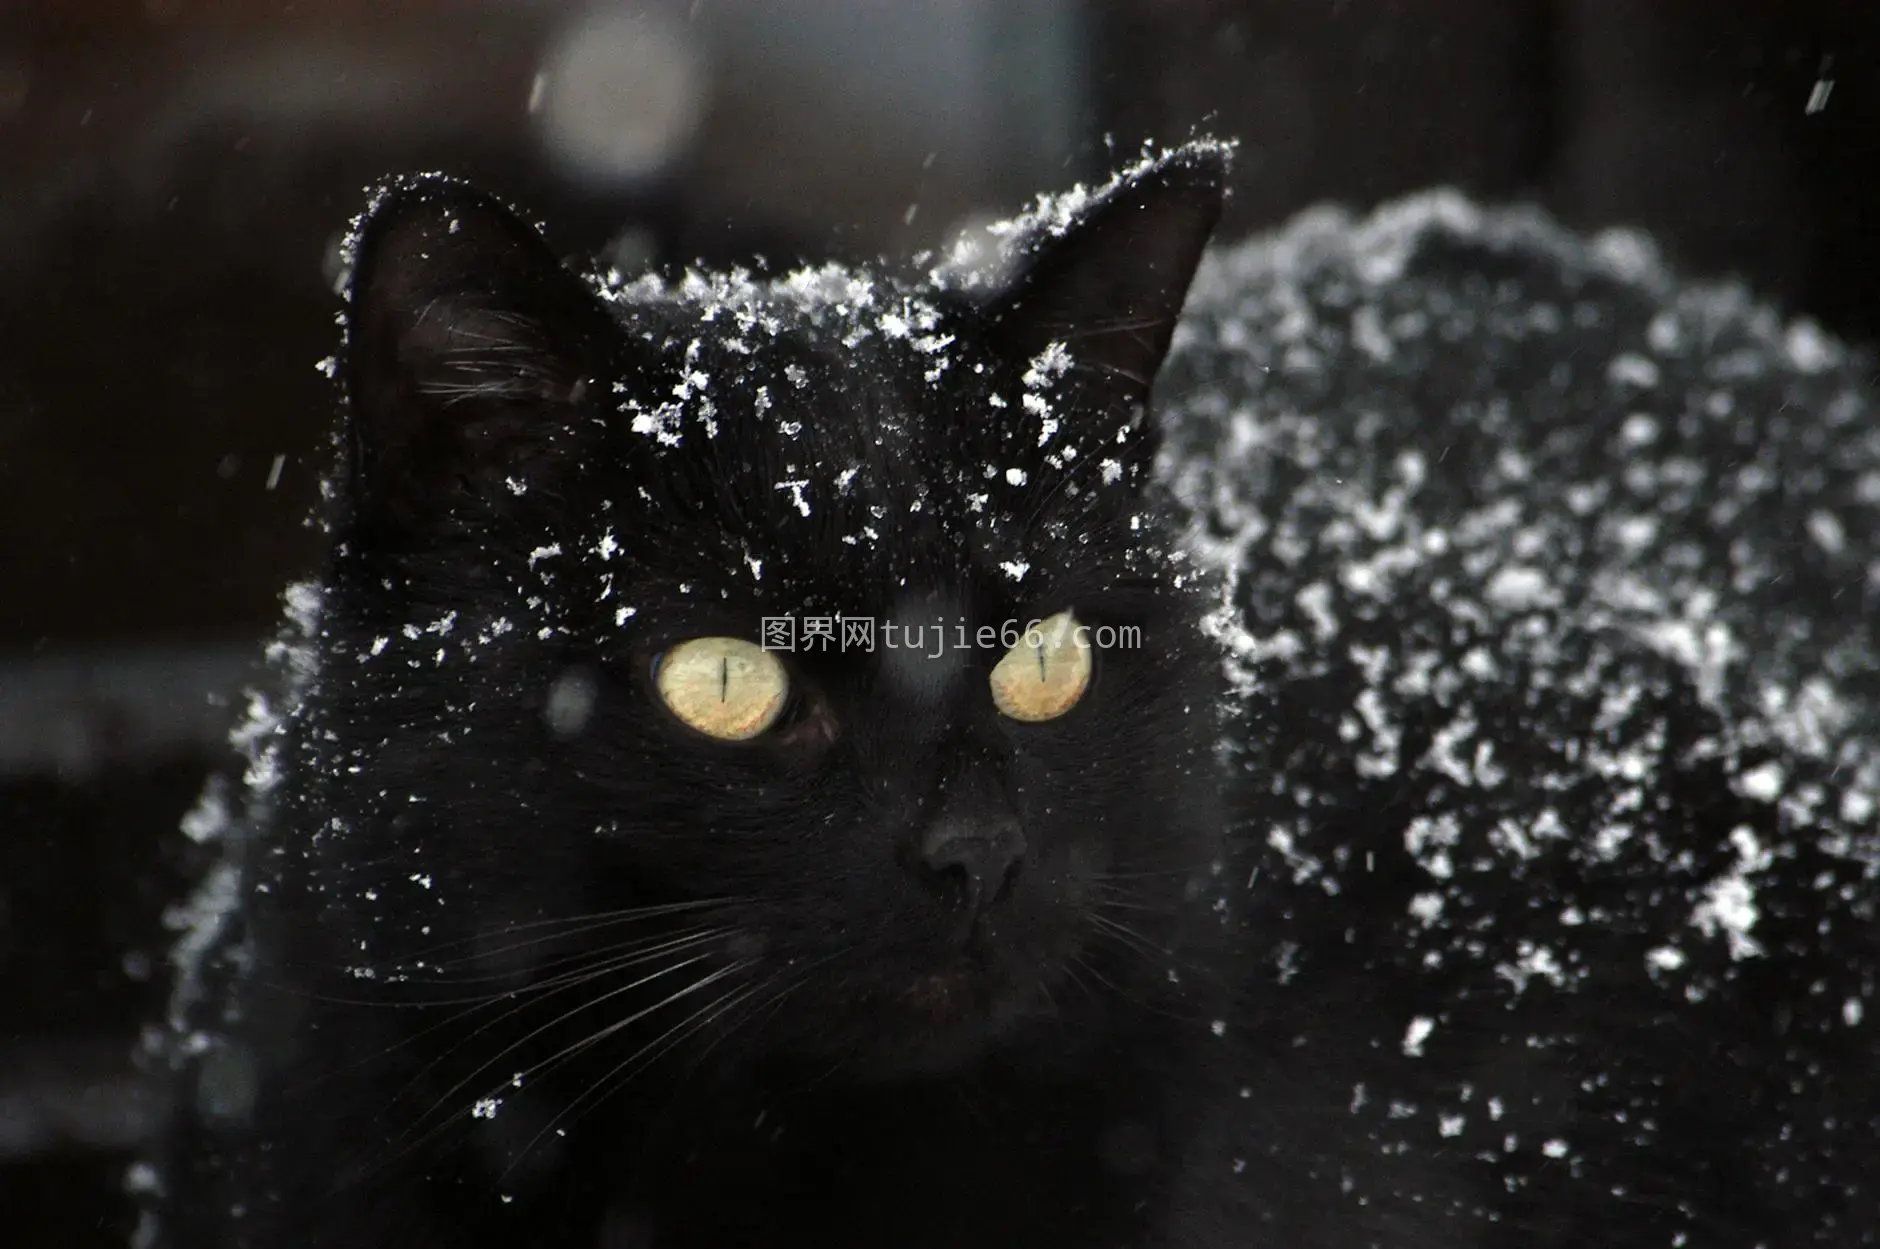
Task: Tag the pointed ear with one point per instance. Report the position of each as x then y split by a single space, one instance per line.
1110 284
468 344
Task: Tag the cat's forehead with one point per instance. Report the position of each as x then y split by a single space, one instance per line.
829 309
832 381
835 428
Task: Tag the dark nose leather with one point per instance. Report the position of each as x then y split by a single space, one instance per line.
972 861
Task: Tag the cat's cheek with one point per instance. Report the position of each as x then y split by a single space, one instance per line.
1085 860
747 944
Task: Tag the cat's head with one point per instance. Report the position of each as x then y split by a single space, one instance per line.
836 613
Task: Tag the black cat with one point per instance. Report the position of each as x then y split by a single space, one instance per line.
817 763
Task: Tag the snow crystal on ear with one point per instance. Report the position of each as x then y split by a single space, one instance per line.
982 258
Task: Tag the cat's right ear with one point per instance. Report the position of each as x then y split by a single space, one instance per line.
1109 282
468 346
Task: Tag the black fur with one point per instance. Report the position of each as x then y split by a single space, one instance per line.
1322 933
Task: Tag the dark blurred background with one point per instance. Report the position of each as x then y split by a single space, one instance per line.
174 175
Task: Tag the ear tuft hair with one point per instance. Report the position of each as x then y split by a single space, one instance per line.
465 335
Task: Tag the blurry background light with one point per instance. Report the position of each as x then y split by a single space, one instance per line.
621 93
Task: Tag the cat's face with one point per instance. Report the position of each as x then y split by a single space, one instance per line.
835 615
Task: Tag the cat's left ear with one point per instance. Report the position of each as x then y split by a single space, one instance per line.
1110 284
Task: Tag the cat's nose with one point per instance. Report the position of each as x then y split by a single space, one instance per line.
972 862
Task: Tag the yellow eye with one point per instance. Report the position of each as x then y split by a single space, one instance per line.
1046 673
726 688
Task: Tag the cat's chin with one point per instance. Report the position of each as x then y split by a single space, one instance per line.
965 997
949 1018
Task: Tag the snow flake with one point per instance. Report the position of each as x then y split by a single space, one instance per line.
796 489
1763 783
1632 369
1665 958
